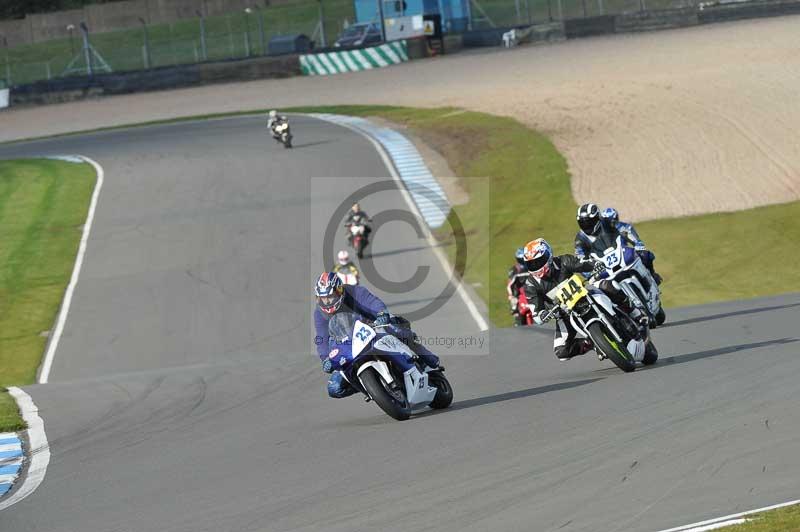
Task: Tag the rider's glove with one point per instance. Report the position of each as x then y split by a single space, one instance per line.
382 318
599 268
327 365
639 246
539 317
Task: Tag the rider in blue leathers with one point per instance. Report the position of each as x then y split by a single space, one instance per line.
610 218
332 297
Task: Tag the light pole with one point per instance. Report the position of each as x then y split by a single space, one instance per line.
322 25
71 29
261 37
147 59
87 49
247 12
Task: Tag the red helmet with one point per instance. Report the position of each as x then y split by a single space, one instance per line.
330 292
538 257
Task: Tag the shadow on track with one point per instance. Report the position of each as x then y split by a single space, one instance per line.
690 357
309 144
401 251
727 315
508 396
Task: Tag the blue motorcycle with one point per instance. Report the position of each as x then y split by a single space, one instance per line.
376 360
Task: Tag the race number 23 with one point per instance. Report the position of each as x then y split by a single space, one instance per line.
362 334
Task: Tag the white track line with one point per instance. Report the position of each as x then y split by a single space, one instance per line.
44 372
724 521
39 453
387 161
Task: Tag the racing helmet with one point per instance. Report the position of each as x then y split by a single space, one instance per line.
610 215
330 292
538 258
273 114
343 257
589 218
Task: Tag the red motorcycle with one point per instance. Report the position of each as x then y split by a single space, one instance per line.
358 239
525 314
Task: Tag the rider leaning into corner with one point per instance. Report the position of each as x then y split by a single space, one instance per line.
599 231
273 118
344 264
332 297
356 217
517 276
545 272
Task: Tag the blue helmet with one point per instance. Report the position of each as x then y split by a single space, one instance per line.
520 256
610 214
330 292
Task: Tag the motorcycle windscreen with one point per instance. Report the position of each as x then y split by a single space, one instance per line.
340 326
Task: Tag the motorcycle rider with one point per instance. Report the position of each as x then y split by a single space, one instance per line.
332 297
357 217
545 272
610 217
517 276
344 265
273 120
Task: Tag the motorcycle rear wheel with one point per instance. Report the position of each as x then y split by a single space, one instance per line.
376 389
444 392
618 354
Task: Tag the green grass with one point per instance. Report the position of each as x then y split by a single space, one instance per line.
43 205
782 520
179 42
703 259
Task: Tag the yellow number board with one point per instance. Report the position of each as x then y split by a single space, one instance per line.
569 291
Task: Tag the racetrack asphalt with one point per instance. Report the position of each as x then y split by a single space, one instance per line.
184 396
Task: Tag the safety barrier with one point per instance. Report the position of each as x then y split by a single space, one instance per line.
321 64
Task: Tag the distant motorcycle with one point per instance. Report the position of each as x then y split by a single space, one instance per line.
358 238
283 133
624 267
382 367
614 334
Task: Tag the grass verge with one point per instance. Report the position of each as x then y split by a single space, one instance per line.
43 206
708 258
781 520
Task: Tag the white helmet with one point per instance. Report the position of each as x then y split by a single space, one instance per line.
343 257
273 113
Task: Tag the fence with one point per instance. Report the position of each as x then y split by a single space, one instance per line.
234 35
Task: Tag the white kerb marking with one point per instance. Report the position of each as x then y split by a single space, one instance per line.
697 527
47 364
39 453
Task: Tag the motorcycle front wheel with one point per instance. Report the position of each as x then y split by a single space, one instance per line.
605 343
444 392
377 389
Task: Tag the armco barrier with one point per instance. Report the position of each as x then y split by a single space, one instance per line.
80 87
321 64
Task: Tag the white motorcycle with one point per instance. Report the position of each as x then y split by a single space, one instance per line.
283 133
381 366
614 334
625 268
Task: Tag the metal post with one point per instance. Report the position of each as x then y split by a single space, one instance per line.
560 11
87 51
642 5
549 10
47 68
148 61
203 48
519 14
247 32
230 34
383 23
528 9
8 65
322 25
261 35
584 8
71 30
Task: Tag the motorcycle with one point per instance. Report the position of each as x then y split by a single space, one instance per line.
624 266
358 238
348 278
524 315
614 334
382 367
283 134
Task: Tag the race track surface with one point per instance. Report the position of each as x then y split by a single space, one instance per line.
184 396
